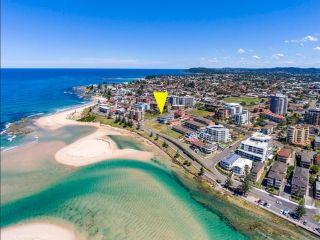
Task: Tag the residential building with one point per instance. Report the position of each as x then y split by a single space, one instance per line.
304 159
202 120
273 116
165 119
233 108
215 133
187 101
227 162
242 118
181 129
276 174
142 106
104 108
316 159
222 114
300 181
285 155
316 189
268 129
204 147
279 104
256 171
312 116
316 143
196 126
240 165
256 148
298 135
137 115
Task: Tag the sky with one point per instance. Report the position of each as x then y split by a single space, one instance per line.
160 33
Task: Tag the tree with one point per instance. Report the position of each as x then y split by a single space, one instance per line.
151 134
176 155
245 187
164 144
109 115
228 183
201 172
157 137
300 210
315 169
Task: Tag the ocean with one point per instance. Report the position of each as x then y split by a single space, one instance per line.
34 92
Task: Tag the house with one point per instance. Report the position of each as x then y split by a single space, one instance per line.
276 174
300 181
256 171
304 159
284 155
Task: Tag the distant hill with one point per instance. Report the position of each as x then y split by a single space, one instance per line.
277 70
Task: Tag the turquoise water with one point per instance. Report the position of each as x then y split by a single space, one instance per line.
123 199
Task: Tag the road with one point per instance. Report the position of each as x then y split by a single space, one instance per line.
214 175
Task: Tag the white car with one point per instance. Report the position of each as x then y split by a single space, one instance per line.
281 211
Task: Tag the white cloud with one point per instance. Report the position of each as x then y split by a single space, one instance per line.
277 55
308 38
255 57
241 51
213 60
317 48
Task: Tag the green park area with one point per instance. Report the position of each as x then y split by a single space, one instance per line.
162 128
245 101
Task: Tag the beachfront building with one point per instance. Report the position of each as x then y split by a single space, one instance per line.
136 115
104 108
204 147
304 159
215 133
256 148
312 116
186 101
298 135
279 104
236 164
276 174
300 181
256 171
239 167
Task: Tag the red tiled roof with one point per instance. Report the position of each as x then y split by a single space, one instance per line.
285 152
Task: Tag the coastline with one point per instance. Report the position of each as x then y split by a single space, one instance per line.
67 154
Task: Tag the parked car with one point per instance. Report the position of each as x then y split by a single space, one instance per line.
269 205
281 211
305 222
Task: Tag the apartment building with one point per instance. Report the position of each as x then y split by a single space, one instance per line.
256 148
312 116
279 104
298 135
215 133
300 181
186 101
276 174
257 171
285 155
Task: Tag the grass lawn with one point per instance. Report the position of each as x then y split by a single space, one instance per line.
274 191
163 128
148 115
200 113
317 203
316 217
248 100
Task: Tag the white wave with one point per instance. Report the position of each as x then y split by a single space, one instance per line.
5 128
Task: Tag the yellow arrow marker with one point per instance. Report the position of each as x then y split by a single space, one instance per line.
161 98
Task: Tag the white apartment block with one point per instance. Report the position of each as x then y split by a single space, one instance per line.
215 133
233 108
186 101
256 148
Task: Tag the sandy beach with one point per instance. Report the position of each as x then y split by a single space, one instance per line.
38 231
97 147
